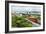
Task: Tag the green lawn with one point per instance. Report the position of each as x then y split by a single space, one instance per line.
19 21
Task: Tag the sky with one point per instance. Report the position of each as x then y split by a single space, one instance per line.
25 8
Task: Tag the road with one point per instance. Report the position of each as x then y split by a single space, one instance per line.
33 24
